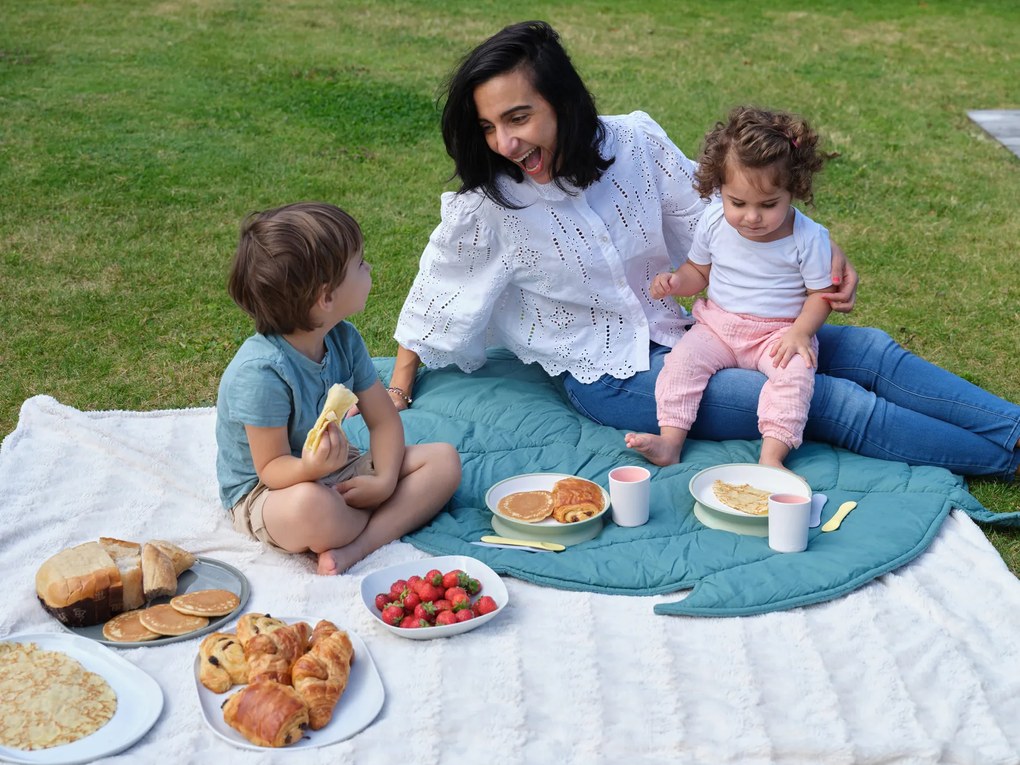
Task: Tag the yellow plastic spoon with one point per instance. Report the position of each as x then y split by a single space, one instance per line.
844 510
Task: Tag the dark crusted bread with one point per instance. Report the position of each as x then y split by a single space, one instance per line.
80 586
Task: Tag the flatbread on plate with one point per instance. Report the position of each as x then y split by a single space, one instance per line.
742 497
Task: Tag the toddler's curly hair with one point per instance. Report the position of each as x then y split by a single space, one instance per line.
755 138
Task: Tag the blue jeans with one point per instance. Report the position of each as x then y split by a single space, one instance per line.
871 396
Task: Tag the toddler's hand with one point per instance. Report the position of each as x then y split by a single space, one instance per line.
791 344
663 285
331 453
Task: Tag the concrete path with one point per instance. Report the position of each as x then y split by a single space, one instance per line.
1002 124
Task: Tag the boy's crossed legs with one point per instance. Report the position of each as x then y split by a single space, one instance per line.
312 516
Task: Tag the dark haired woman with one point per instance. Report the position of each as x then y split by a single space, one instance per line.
562 219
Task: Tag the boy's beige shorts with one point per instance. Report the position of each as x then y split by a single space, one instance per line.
247 513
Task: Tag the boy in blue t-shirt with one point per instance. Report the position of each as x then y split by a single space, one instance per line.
299 271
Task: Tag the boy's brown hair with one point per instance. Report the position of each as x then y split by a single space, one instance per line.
759 138
286 257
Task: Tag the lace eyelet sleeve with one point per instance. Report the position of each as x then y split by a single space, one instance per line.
461 275
681 206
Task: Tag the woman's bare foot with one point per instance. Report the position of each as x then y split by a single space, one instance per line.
656 449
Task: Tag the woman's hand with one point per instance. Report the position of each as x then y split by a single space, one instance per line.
845 278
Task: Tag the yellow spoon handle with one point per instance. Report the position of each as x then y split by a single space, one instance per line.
844 510
551 546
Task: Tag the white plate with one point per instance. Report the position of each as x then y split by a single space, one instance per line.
358 706
772 480
139 701
380 581
205 574
549 529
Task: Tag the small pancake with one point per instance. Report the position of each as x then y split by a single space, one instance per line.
166 620
527 506
206 602
127 628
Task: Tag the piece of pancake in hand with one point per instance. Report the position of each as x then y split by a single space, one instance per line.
206 602
575 499
128 628
527 506
166 620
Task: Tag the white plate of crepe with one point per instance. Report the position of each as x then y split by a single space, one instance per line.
139 701
358 706
712 512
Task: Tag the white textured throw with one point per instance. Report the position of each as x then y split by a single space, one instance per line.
920 666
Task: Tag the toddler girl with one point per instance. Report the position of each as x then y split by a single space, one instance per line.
764 263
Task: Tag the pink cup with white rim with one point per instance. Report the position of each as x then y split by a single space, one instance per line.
629 491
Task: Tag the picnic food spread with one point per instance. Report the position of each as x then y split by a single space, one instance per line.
294 676
338 400
49 698
742 497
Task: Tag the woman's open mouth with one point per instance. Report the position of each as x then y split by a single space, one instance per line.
531 162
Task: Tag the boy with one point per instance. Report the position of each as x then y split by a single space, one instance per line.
299 271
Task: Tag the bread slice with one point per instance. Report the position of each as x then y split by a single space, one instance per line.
81 585
158 576
182 559
128 557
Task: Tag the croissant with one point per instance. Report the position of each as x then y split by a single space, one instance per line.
575 499
320 676
270 655
267 713
221 662
250 625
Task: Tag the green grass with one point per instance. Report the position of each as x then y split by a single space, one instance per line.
135 136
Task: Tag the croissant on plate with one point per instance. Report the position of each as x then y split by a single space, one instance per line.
575 499
252 624
221 662
270 655
320 676
267 713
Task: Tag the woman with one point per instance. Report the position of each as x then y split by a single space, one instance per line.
549 247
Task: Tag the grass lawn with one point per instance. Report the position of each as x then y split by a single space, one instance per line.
136 135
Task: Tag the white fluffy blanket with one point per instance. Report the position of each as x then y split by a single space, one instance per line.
920 666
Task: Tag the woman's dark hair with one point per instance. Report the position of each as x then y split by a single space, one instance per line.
534 48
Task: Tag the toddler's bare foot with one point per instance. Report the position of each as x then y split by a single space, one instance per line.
772 463
655 449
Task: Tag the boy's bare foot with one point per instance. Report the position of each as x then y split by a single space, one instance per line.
333 562
655 449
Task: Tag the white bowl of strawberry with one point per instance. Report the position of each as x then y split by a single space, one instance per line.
434 597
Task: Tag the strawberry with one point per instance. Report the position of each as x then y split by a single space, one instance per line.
397 587
458 598
452 578
446 617
434 576
473 586
464 614
393 614
425 612
410 602
412 579
409 622
428 592
382 600
485 605
442 605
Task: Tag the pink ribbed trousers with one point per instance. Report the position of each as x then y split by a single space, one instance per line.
721 340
